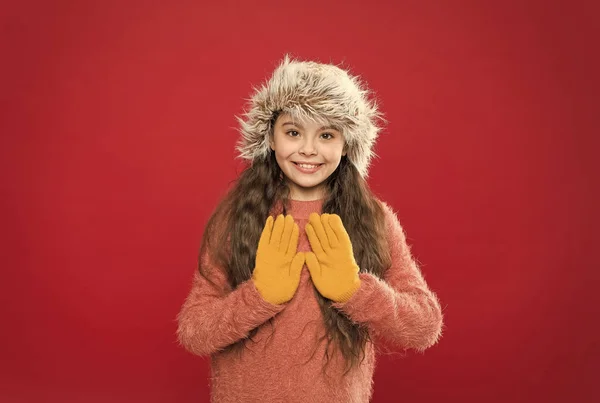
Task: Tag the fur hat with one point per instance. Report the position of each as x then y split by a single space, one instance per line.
308 90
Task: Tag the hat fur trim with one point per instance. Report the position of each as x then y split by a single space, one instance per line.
308 90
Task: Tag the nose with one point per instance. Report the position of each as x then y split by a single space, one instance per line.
307 147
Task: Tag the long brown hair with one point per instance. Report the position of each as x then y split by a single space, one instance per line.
233 231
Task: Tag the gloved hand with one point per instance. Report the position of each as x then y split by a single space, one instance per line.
331 264
278 266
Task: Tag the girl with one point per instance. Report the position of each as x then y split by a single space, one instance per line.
302 269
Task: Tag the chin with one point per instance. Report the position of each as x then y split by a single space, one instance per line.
310 184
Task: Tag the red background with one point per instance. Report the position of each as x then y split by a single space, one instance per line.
117 141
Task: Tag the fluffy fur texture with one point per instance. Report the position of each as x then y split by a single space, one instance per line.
308 90
284 362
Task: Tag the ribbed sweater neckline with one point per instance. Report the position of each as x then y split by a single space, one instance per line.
302 208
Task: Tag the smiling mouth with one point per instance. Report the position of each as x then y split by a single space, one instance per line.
308 166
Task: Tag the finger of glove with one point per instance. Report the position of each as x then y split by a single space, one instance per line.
338 228
333 240
314 267
292 245
277 232
297 264
315 243
266 233
317 225
288 227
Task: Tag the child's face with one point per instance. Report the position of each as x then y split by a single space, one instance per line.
297 142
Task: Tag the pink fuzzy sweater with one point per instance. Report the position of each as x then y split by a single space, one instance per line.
279 366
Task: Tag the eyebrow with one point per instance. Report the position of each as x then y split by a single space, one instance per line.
300 126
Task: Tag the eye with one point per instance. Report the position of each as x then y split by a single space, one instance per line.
292 131
328 134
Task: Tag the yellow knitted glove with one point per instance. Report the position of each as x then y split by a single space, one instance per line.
278 266
332 266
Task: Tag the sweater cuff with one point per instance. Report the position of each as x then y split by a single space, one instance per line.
252 297
358 303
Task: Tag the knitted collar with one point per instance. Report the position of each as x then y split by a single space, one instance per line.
300 209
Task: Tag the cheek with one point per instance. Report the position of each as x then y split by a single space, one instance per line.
281 155
334 154
285 150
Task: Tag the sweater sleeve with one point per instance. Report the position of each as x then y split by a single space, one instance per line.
213 316
400 308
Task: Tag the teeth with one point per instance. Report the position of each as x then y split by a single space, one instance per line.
308 166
